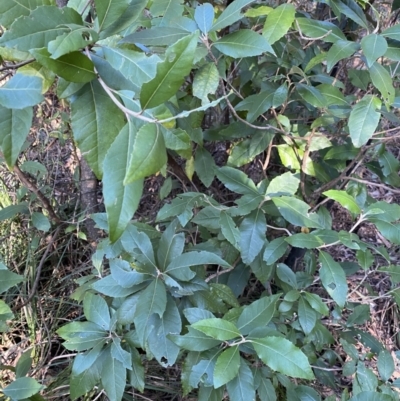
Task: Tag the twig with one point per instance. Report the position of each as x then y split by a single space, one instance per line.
33 188
39 270
15 66
219 273
375 184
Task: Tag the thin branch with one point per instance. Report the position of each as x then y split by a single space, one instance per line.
15 66
375 184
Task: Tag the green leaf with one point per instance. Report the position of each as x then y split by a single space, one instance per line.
225 294
96 122
40 221
9 279
11 211
84 361
24 364
371 396
393 32
74 67
136 375
179 266
243 43
96 310
10 10
383 82
256 104
156 36
170 73
284 184
316 303
108 286
344 199
252 235
274 250
204 165
333 278
208 217
152 300
118 353
390 231
237 181
14 128
258 314
351 10
385 365
317 29
311 95
229 229
108 11
364 119
194 340
206 82
230 15
163 349
265 389
121 200
227 366
21 91
210 393
340 50
217 328
287 275
282 356
113 378
307 316
170 246
308 241
168 10
241 388
204 17
373 46
296 212
21 388
278 22
43 25
77 38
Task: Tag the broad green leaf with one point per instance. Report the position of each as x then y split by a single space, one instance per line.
231 14
74 67
218 329
177 139
167 10
316 303
333 278
278 22
208 217
43 25
252 235
383 82
14 128
256 104
9 279
227 366
108 286
229 229
296 212
334 97
241 388
393 32
390 231
135 66
96 310
156 36
287 275
237 181
282 356
284 184
194 340
148 153
373 46
136 375
170 73
360 315
193 315
210 393
385 365
351 10
10 10
24 363
170 246
308 241
274 250
11 211
118 353
204 16
389 163
204 165
246 151
83 361
340 50
364 119
21 91
307 316
265 389
371 396
243 43
121 200
113 378
225 294
77 38
205 82
317 29
163 349
180 265
96 122
152 300
40 221
21 388
288 156
108 11
311 95
344 199
258 314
